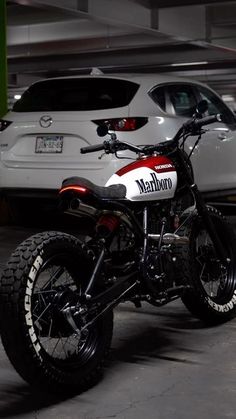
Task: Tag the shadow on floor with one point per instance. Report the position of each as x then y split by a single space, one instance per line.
147 341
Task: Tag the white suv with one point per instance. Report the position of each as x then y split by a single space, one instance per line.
40 139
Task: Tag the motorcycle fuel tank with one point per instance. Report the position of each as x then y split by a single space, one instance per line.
147 179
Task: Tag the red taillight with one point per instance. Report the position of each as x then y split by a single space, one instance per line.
4 124
107 224
123 124
73 188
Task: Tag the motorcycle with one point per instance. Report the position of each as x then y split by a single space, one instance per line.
153 240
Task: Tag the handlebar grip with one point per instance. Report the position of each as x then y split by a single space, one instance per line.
207 120
92 148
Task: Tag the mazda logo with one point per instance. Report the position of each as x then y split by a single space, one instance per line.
45 121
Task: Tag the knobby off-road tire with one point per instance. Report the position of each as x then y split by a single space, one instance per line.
45 271
212 296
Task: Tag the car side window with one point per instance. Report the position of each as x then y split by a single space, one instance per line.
216 105
177 99
182 99
158 94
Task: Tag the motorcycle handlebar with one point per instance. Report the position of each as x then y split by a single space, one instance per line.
198 123
191 126
110 147
92 148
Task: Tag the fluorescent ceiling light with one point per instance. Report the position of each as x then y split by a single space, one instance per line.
228 98
192 63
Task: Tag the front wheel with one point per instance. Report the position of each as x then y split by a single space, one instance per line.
46 274
211 295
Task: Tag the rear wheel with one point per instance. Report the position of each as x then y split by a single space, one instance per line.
211 296
44 275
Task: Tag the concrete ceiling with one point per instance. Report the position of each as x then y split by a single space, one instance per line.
188 37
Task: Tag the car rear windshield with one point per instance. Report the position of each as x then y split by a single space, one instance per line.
85 94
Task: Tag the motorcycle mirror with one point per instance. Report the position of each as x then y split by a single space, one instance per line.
202 107
102 130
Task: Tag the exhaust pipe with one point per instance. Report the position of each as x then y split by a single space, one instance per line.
170 238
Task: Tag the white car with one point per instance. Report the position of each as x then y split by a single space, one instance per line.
40 139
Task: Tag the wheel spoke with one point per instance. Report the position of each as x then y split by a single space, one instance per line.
53 331
201 274
42 313
53 278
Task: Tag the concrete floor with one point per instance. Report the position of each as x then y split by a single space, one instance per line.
163 365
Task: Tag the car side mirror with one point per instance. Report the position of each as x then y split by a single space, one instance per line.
202 107
102 130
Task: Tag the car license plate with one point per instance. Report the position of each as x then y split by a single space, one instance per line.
49 144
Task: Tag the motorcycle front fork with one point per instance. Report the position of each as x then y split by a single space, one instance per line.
202 209
204 213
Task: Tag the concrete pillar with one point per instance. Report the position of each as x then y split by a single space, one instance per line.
3 59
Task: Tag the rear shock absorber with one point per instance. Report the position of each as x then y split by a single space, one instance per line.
107 224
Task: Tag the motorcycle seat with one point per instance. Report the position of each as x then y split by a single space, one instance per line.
103 192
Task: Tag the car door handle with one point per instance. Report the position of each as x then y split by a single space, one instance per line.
222 136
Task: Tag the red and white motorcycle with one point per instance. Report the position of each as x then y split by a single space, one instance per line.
154 240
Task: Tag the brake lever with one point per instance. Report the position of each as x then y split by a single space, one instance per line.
103 154
109 147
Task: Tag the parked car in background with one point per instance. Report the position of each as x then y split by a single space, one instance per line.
40 139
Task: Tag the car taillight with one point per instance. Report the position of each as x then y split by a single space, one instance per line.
123 124
4 124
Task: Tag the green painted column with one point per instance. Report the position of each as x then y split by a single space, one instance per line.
3 59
